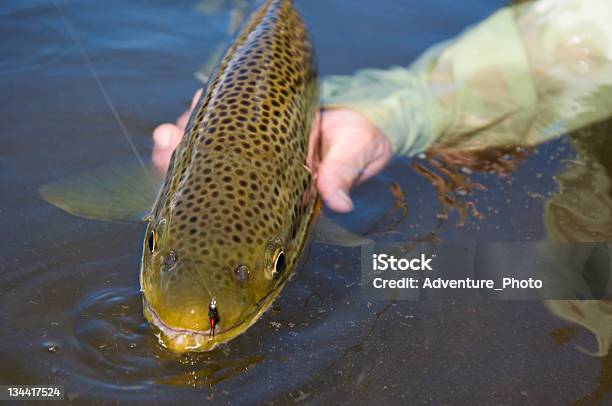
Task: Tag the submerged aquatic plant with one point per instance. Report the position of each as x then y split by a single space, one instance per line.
450 174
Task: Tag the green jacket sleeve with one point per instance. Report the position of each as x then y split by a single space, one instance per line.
525 75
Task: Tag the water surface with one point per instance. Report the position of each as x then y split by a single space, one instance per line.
69 300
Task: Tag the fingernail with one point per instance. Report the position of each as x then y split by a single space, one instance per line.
342 195
162 140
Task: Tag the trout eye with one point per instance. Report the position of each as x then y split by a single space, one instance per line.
156 231
274 258
152 241
279 264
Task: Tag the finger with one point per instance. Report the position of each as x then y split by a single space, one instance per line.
183 120
379 162
314 143
164 140
334 182
164 135
196 98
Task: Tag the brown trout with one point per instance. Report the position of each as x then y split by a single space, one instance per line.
234 213
233 216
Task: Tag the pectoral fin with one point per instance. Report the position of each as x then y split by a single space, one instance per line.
329 232
116 192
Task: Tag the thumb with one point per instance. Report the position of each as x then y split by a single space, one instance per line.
335 179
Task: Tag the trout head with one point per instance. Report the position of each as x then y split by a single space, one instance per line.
229 238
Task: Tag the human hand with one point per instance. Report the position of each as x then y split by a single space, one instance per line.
352 150
167 136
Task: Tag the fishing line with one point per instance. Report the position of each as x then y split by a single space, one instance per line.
101 87
196 276
114 111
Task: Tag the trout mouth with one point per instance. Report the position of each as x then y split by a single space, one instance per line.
177 339
186 340
181 340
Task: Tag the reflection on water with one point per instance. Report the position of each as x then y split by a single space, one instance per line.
603 384
581 210
71 311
